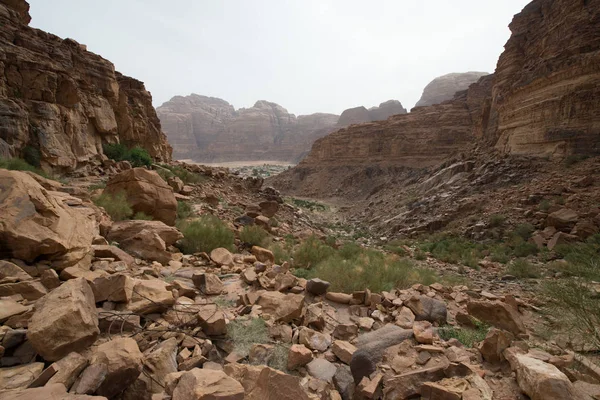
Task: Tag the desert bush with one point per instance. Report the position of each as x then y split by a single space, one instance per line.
572 297
244 334
254 235
184 210
137 156
280 253
311 252
349 250
309 205
205 234
396 247
188 177
467 336
453 249
18 164
524 231
522 268
496 220
141 216
116 206
544 205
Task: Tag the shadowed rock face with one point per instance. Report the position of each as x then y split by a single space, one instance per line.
541 101
444 87
58 97
211 130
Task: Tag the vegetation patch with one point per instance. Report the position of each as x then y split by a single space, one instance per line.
244 334
184 210
254 235
141 216
308 204
467 336
19 164
188 177
522 268
311 252
137 156
205 234
116 206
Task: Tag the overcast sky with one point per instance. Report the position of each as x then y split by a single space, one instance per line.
306 55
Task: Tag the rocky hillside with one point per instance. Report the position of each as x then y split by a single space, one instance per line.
444 87
66 102
539 102
209 129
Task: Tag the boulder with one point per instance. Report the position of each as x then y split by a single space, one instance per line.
344 382
494 344
405 318
123 230
314 340
370 349
68 369
20 376
408 385
11 273
264 383
423 331
146 192
262 254
209 284
343 350
537 379
561 238
149 296
10 308
206 384
117 288
37 224
159 363
282 307
55 391
317 286
124 361
221 256
147 245
427 309
269 208
498 314
345 331
65 320
563 219
321 369
104 251
341 298
298 356
212 320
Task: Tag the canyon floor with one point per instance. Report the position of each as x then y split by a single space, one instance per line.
215 284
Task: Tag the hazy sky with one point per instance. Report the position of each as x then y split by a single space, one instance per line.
306 55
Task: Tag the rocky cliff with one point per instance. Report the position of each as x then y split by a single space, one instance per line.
64 101
209 129
444 87
547 91
541 101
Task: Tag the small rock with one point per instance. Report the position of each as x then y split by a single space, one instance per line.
317 286
298 356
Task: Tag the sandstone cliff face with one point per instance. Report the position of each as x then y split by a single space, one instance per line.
541 101
57 97
547 91
444 87
209 129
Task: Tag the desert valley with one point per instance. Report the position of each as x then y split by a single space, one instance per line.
195 251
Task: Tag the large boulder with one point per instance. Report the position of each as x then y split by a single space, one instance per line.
146 192
55 391
39 224
498 314
148 240
123 230
371 347
427 309
65 320
282 307
124 361
263 383
538 379
206 384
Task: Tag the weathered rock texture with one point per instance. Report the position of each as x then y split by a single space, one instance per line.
541 101
444 87
209 129
67 102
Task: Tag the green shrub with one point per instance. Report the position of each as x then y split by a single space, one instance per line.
189 178
184 210
254 235
280 253
525 249
137 156
116 206
497 220
544 205
141 216
350 251
524 231
522 268
467 336
396 247
500 254
420 255
96 186
311 252
244 334
18 164
453 249
205 234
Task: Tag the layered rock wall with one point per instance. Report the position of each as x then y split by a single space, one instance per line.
59 98
209 129
543 100
444 88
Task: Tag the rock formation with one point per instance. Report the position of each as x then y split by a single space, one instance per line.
211 130
444 87
64 101
541 101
